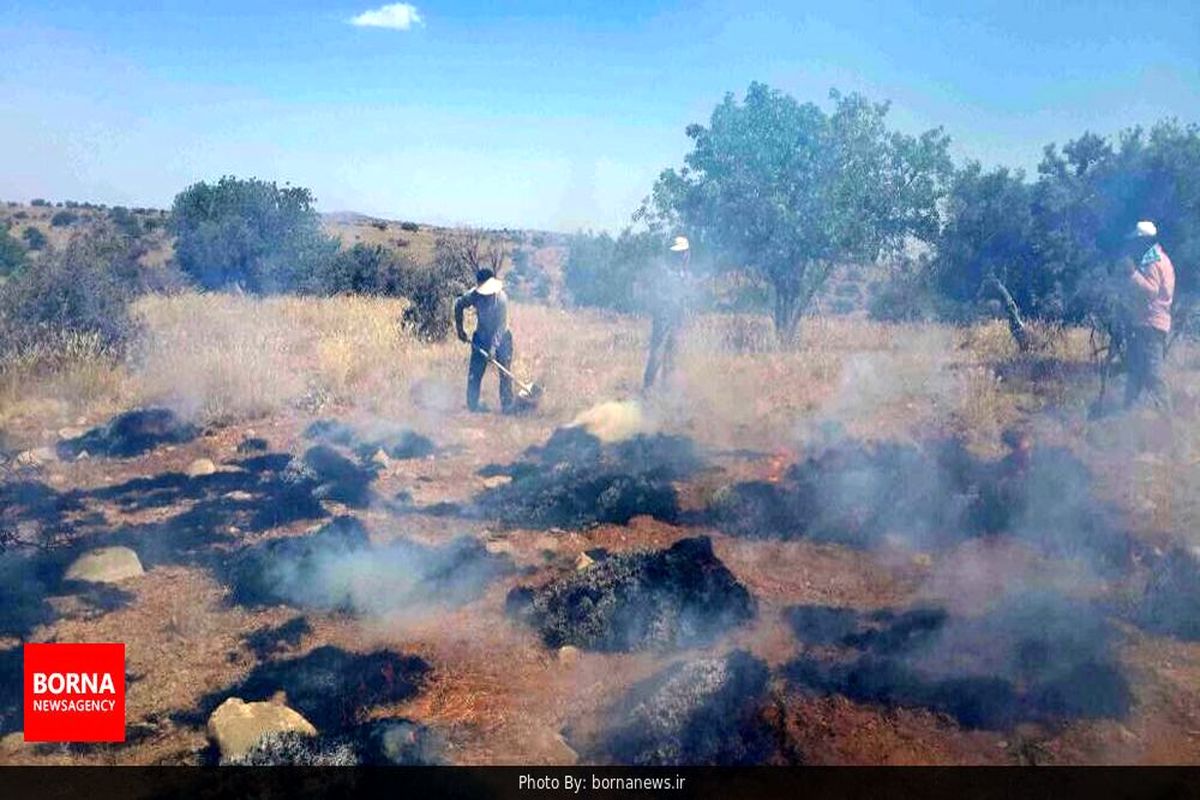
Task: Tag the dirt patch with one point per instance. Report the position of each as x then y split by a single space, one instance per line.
678 597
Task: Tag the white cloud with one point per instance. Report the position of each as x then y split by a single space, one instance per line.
397 16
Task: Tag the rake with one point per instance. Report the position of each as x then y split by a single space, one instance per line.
528 394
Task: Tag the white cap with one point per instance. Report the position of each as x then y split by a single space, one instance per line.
489 287
1146 230
680 244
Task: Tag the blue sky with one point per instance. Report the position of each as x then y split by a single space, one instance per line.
547 114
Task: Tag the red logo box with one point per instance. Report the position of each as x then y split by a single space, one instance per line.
74 693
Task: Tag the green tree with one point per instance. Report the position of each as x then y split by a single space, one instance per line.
249 233
605 272
788 191
988 235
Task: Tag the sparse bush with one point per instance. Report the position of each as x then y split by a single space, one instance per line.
85 288
604 272
249 233
39 202
62 219
12 255
431 289
34 238
411 227
379 225
125 221
363 269
21 215
526 281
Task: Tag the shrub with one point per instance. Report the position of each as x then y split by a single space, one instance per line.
84 288
12 254
34 238
411 227
21 215
363 269
526 280
605 272
432 288
379 225
63 219
249 233
39 202
125 221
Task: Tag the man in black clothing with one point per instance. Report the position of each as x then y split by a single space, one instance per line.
491 337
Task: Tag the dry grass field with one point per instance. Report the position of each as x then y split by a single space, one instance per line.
241 367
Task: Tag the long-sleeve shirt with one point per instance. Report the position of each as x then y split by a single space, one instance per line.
491 312
1154 286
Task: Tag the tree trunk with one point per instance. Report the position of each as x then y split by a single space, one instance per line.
786 316
1016 325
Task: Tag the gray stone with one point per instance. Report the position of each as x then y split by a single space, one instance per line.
105 565
201 467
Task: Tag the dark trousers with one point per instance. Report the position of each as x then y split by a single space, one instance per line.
479 364
661 363
1147 350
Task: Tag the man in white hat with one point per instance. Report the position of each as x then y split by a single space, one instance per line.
1152 282
492 336
668 308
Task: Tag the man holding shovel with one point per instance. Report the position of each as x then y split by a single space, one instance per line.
492 339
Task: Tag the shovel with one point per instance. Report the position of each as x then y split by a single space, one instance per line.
528 394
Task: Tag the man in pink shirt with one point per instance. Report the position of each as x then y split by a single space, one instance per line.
1152 284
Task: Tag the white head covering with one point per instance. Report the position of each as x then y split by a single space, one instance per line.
1146 230
489 287
680 244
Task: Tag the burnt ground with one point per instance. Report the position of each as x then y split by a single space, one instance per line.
863 606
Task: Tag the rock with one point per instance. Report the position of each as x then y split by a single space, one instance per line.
36 457
493 481
201 467
105 565
12 743
238 495
381 458
583 562
922 560
237 726
84 455
70 433
568 655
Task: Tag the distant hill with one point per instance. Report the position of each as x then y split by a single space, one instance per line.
535 256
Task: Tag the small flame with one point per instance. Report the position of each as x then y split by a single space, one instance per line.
778 463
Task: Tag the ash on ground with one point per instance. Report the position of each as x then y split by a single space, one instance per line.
931 495
337 568
1033 659
130 434
396 441
575 479
706 711
332 688
679 597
